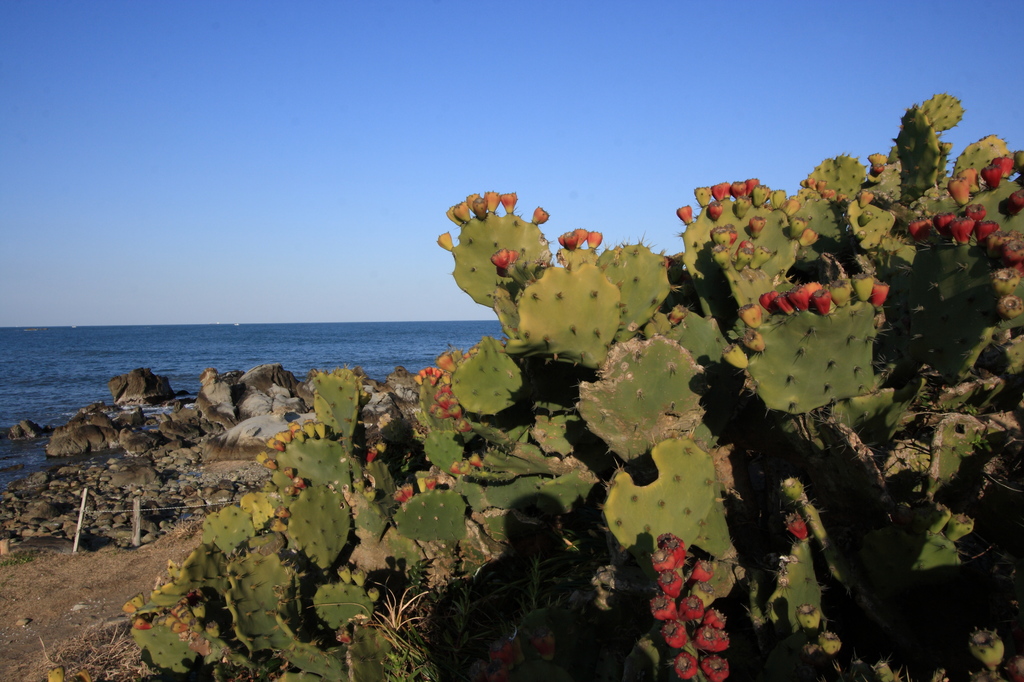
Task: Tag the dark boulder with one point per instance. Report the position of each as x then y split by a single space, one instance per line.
26 429
140 387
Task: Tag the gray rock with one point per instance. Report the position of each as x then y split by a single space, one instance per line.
134 476
254 404
140 387
130 418
26 429
216 399
79 438
137 442
245 440
262 377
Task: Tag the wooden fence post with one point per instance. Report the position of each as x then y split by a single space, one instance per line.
81 513
136 522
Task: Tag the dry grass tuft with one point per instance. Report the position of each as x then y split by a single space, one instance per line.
107 651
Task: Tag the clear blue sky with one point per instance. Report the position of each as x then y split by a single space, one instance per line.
248 161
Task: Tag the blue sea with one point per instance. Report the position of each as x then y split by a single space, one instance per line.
47 374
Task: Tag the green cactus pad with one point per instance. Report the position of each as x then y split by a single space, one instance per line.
877 224
811 360
368 655
979 154
319 461
260 585
570 315
228 528
550 495
163 650
443 448
649 391
642 279
952 308
797 584
920 155
339 396
259 507
876 417
338 603
896 560
206 566
679 501
489 381
319 524
844 174
559 433
824 216
944 111
434 515
327 663
481 239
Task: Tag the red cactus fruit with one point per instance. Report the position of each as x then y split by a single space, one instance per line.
685 666
461 212
493 199
796 525
799 297
503 650
767 300
1015 668
662 561
691 608
496 671
540 216
756 225
975 211
1005 164
1010 307
715 668
476 461
751 183
960 189
711 639
739 189
674 633
821 302
995 243
581 236
140 623
920 229
715 209
960 229
594 239
569 241
674 545
721 190
503 259
685 213
1014 203
983 229
1012 253
664 608
971 176
478 205
784 305
992 175
543 640
670 583
404 493
879 292
508 202
702 571
942 222
713 618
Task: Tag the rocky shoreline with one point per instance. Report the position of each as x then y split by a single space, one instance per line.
192 457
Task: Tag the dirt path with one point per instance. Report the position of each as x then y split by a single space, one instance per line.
64 594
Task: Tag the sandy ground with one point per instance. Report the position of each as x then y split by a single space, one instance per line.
64 594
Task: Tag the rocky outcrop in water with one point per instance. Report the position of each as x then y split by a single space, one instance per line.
140 387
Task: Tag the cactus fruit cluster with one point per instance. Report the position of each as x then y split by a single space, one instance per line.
805 424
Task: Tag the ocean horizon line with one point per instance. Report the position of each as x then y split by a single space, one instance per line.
39 327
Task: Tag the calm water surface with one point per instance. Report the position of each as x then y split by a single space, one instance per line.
46 375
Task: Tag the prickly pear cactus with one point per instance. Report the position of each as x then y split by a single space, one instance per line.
649 391
683 500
